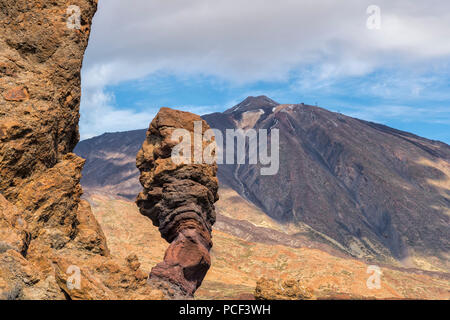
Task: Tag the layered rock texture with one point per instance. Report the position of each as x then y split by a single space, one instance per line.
51 246
179 199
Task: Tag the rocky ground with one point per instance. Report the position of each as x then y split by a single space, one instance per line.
238 264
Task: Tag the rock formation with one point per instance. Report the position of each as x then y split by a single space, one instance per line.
179 199
289 289
51 246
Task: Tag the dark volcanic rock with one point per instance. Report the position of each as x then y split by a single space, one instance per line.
374 189
179 199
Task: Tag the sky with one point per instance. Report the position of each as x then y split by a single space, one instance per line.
379 60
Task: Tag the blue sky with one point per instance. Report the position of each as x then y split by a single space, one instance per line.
208 56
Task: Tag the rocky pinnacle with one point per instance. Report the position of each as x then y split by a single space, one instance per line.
179 199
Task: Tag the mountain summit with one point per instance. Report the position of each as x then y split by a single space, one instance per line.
373 190
253 103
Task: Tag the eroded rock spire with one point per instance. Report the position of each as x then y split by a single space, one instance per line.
179 199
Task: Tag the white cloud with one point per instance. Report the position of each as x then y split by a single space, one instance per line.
99 115
251 40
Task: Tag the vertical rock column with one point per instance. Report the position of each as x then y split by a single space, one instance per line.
41 55
40 63
179 199
46 230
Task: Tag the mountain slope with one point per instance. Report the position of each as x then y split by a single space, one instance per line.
374 189
364 188
111 163
238 263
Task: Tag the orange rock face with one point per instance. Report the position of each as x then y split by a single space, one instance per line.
51 246
40 62
179 199
282 290
16 94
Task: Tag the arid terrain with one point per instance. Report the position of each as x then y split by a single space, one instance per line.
238 263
